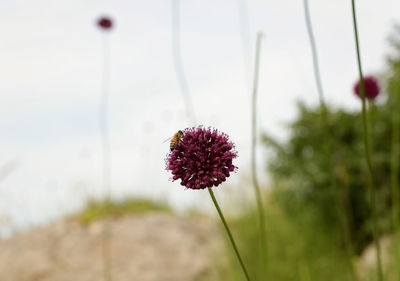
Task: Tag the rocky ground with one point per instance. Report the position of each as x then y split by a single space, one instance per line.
147 247
144 247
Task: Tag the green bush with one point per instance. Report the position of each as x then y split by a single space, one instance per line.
301 246
324 165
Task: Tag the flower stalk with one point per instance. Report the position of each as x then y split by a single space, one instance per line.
257 190
314 54
202 158
367 145
342 209
178 62
394 172
229 233
106 24
394 169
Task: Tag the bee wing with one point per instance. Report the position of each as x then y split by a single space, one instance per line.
168 139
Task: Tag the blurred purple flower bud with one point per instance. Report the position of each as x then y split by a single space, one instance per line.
105 23
371 88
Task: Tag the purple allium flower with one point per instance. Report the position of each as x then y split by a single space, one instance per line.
202 158
105 23
371 88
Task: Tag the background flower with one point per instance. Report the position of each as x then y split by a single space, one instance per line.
105 23
203 158
372 88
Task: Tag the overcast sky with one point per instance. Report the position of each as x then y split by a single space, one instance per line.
50 86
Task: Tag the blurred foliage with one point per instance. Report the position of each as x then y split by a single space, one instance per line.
319 190
322 164
95 210
301 245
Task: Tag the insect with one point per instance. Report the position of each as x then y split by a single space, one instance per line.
175 139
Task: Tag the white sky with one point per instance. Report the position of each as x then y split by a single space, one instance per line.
50 70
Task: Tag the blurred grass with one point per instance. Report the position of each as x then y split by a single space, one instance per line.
95 209
300 245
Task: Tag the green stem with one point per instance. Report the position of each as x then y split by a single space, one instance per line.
314 54
245 34
178 62
394 169
370 109
229 233
256 185
342 211
106 149
371 185
394 172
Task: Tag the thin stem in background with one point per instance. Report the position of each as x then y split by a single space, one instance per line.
314 55
106 149
245 34
394 172
394 167
229 233
342 198
178 62
254 178
368 152
5 170
344 209
103 117
370 119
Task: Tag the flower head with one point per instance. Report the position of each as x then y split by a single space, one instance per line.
105 23
202 158
371 88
